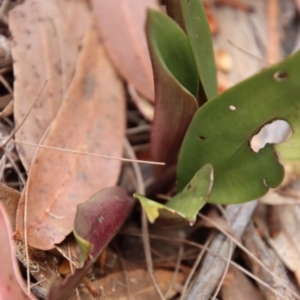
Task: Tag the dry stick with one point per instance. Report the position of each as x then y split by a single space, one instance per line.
6 84
246 272
86 153
5 70
179 257
196 263
2 167
250 254
26 116
255 244
3 10
145 238
225 271
212 268
138 129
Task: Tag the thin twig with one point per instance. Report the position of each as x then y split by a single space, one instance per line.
249 54
240 245
17 169
225 271
24 119
179 257
6 84
26 241
195 265
86 153
124 271
179 240
144 221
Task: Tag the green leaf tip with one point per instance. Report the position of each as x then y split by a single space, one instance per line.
183 208
199 35
171 46
221 131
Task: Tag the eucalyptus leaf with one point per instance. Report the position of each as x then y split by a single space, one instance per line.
221 131
183 208
176 85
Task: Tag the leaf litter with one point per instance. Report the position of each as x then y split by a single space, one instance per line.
156 266
51 34
94 94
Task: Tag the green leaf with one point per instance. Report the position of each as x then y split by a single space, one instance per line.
221 130
182 209
176 85
198 32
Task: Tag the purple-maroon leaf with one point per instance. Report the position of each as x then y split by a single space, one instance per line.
12 285
97 221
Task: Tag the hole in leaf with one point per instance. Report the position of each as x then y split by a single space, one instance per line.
265 182
232 107
280 76
202 138
274 133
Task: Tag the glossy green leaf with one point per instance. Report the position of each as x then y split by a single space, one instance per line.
176 85
182 209
97 221
198 32
221 130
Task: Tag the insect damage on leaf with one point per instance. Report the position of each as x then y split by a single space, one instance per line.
241 174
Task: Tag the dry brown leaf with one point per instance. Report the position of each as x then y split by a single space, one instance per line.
46 39
10 199
121 24
136 286
237 286
91 119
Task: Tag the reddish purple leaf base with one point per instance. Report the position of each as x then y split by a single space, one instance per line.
97 221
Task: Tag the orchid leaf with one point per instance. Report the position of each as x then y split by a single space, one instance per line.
182 209
221 131
176 85
192 18
97 221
